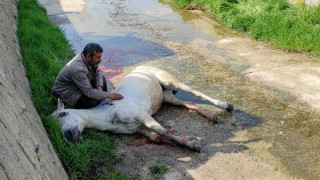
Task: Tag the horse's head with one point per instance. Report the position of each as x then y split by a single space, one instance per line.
70 124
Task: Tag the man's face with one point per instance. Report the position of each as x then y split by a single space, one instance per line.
94 60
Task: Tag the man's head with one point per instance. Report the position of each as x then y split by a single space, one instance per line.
93 53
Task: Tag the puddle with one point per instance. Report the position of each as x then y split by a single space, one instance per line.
128 50
119 51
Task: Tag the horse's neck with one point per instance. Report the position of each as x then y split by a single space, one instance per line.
97 116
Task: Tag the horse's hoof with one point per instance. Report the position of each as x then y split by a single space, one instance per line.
229 108
194 144
197 149
213 116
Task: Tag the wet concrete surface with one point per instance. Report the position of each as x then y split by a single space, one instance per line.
273 132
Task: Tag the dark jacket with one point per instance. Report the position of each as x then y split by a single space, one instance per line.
77 78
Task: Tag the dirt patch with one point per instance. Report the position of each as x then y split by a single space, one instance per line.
227 150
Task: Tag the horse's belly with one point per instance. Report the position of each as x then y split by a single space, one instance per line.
124 128
143 90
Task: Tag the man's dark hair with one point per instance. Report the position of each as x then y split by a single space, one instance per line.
92 49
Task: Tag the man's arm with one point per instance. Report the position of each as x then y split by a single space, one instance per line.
98 79
81 80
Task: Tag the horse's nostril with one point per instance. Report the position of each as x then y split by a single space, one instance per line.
79 136
68 135
73 135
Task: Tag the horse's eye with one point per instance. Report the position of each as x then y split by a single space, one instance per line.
62 114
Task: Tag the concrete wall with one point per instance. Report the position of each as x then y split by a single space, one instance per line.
25 150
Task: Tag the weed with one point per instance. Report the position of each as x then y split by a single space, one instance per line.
159 169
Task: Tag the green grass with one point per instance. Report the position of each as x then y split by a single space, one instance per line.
292 27
45 50
159 169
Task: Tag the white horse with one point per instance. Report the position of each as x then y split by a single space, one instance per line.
144 91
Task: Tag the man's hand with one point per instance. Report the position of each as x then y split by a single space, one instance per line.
100 88
115 96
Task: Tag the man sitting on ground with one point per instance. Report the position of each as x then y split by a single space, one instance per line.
80 84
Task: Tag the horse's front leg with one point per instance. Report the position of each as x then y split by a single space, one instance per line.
149 122
153 136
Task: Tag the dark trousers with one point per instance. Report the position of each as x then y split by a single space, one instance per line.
85 102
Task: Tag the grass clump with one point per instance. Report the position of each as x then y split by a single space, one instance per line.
159 169
45 51
293 27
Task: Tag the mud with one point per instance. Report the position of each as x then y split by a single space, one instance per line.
273 132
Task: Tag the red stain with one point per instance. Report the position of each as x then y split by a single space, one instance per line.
139 142
160 139
110 73
172 131
184 138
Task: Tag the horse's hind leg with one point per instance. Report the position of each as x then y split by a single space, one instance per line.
220 104
171 83
169 98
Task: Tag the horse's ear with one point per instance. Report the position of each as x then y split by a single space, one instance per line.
60 105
